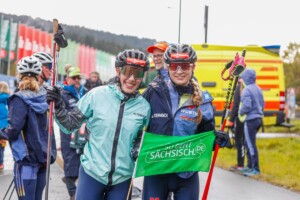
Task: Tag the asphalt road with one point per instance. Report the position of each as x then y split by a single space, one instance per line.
225 185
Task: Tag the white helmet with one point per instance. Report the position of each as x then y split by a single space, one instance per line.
45 58
29 65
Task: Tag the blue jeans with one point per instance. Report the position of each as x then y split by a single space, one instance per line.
29 181
159 186
90 188
251 128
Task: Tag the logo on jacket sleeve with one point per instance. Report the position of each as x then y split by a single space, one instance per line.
160 115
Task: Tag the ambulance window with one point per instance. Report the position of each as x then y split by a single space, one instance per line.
209 84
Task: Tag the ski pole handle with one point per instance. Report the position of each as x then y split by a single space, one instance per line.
55 29
244 53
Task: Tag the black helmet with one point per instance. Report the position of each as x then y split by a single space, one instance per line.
132 57
180 53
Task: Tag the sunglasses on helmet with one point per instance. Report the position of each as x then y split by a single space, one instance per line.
48 65
128 70
183 66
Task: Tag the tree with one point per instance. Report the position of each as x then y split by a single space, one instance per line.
291 65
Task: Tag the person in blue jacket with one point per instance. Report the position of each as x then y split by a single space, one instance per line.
115 117
27 131
70 148
251 107
4 94
178 108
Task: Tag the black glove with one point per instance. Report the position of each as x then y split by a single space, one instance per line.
134 154
60 38
53 94
221 138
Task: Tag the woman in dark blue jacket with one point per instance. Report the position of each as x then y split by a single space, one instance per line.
178 108
27 132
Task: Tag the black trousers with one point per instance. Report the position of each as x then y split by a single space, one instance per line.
240 142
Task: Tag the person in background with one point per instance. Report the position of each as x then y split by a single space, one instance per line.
238 127
93 81
115 116
290 104
67 67
4 94
27 131
156 52
251 110
178 108
72 144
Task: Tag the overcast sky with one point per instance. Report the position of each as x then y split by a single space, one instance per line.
230 22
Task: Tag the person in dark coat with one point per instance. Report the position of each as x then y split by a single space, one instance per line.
251 110
93 81
178 108
71 93
27 131
238 127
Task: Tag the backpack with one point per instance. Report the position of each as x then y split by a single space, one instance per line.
79 139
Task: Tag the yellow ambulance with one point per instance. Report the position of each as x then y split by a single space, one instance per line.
265 60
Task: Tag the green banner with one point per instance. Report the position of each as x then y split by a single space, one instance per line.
162 154
4 37
13 41
68 55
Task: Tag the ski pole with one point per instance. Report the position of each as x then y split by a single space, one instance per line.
134 169
236 68
129 189
59 41
9 187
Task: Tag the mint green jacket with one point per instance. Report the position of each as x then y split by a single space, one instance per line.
113 124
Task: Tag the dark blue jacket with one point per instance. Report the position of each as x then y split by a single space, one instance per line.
28 128
162 119
3 110
184 121
71 159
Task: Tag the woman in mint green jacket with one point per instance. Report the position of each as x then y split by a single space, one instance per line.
115 117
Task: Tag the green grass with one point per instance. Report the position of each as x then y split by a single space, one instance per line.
279 158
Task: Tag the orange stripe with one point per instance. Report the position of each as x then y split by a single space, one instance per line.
219 105
267 77
272 105
269 69
269 105
263 61
247 61
268 86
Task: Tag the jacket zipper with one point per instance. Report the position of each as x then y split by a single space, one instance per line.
115 143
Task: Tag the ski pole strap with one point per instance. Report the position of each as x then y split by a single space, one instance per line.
236 66
227 66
